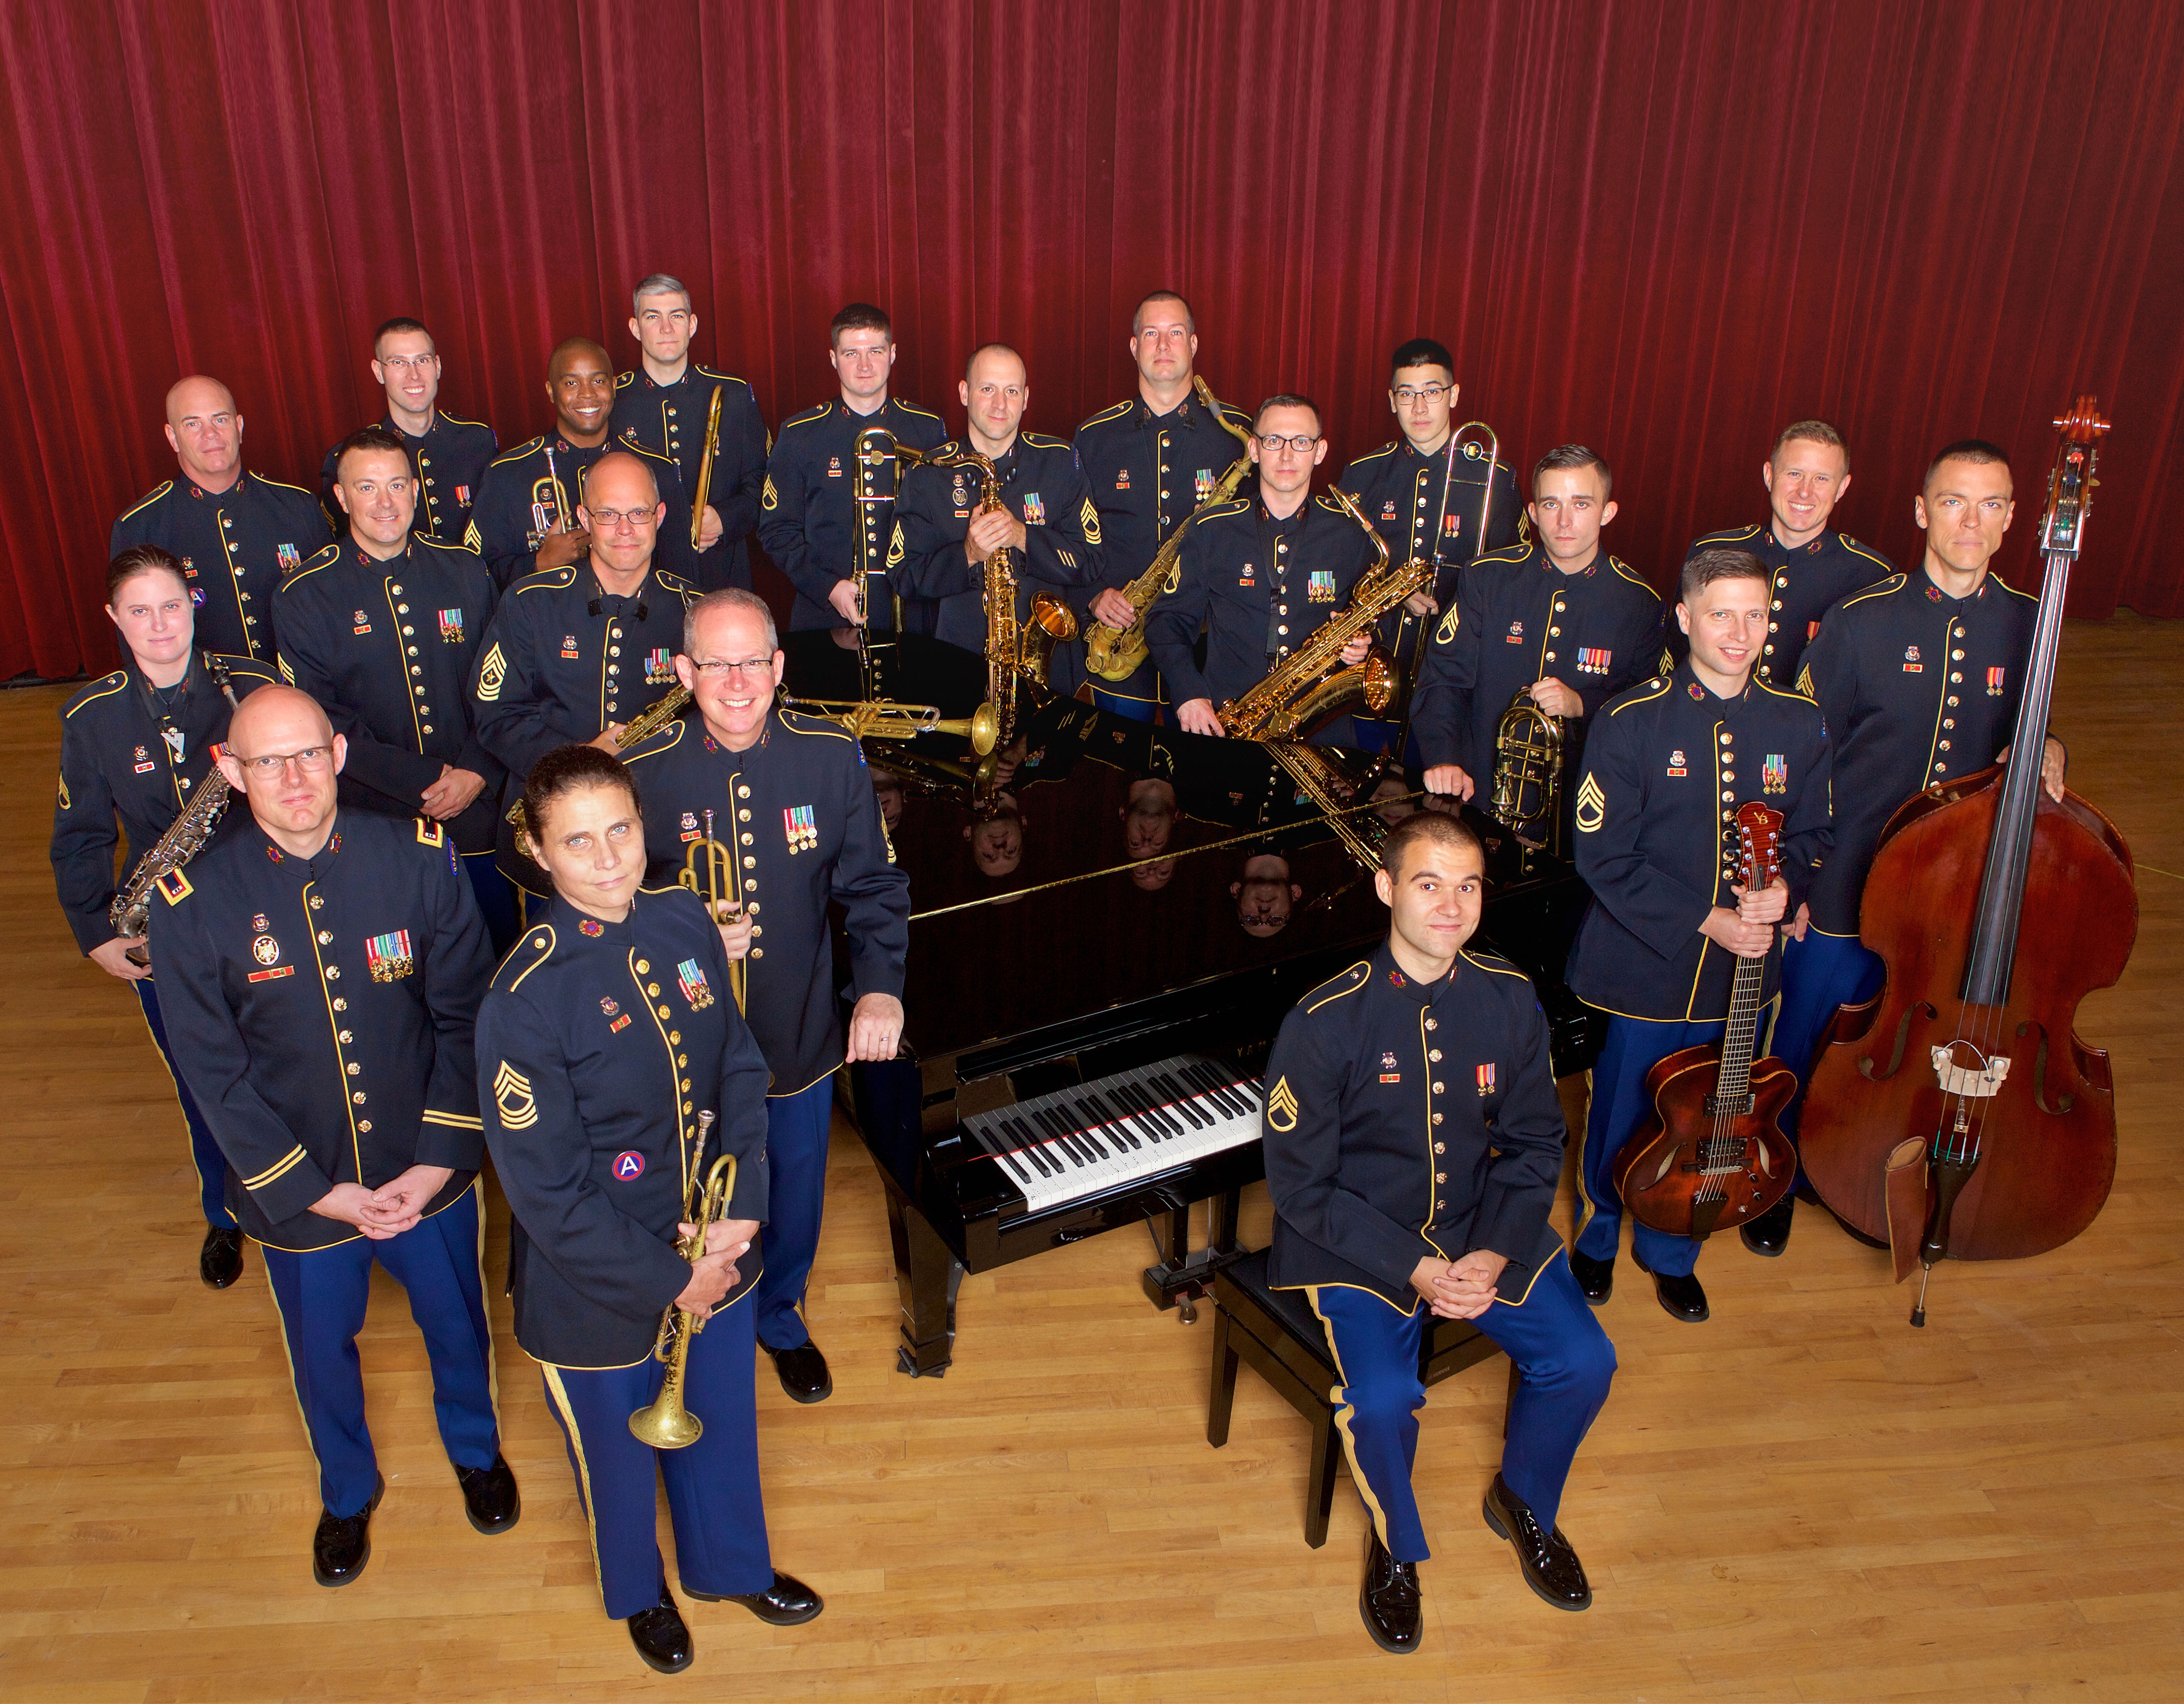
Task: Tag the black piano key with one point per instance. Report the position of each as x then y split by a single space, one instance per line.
1223 1090
1141 1107
1028 1146
1112 1120
1087 1135
1194 1072
1059 1134
1181 1101
1168 1122
1039 1148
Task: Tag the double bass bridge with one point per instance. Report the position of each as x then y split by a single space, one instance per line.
1981 1082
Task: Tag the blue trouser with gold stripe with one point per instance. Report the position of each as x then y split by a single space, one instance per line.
321 1294
1818 974
1564 1363
796 1127
1633 1047
205 1149
712 1485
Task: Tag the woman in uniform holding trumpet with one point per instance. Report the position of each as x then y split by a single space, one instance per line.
615 1072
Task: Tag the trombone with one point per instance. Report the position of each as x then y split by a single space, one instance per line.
709 868
664 1423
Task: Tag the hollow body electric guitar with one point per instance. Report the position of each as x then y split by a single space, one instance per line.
1711 1152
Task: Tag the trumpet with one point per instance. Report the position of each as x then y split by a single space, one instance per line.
1528 772
664 1423
716 871
885 719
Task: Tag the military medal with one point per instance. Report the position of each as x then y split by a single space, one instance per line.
388 956
1486 1080
290 558
451 627
1774 773
1994 683
659 667
1320 588
1035 509
802 829
1592 661
693 978
266 950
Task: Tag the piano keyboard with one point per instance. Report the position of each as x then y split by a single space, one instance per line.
1081 1141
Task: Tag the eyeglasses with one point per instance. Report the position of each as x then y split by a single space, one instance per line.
1407 394
403 363
1300 443
613 519
312 760
715 669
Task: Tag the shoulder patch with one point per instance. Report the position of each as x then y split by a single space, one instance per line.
512 1098
148 498
493 675
1345 982
1108 413
1591 805
520 451
1282 1107
173 886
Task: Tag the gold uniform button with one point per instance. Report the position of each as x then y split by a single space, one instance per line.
663 1012
318 900
358 1097
686 1085
341 1005
742 816
686 1108
675 1038
642 967
345 1037
747 839
1436 1119
758 952
750 863
325 938
354 1069
1437 1088
1433 1053
653 988
333 973
1440 1147
364 1125
682 1059
1441 1177
1729 775
1431 1024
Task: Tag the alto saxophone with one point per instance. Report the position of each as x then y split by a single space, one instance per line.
1016 652
669 709
1114 654
1314 682
129 916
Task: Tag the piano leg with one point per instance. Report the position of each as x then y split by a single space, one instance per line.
1181 1277
927 1276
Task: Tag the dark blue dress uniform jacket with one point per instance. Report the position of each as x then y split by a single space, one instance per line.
526 494
597 1048
1148 472
117 760
1808 582
235 548
322 1011
1043 486
1407 1120
1423 507
1259 587
388 648
1519 619
1666 768
808 519
798 812
1919 688
449 461
670 420
562 659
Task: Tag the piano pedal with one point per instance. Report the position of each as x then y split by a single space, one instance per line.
1187 1310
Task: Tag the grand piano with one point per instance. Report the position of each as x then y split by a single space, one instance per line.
1101 949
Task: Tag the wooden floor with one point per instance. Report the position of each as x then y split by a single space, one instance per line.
1804 1499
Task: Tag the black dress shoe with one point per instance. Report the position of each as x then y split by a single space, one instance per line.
1770 1233
489 1497
1596 1279
788 1602
219 1262
1684 1298
660 1636
343 1544
1549 1565
802 1371
1389 1601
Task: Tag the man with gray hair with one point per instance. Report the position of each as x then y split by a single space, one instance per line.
665 402
783 804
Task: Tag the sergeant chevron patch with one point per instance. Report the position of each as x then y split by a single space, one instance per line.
1591 805
511 1096
1282 1107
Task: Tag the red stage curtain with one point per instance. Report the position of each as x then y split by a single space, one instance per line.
1662 229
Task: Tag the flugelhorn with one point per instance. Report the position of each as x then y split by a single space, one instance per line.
708 869
666 1422
1528 772
885 719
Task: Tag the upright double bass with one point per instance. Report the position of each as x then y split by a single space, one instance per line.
1957 1113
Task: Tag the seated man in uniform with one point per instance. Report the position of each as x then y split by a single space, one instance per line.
1413 1144
1260 576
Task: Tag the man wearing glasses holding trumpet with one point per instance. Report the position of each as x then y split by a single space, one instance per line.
623 1100
771 816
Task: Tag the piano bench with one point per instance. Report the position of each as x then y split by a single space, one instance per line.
1277 1332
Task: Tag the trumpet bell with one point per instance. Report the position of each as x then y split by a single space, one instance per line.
665 1423
985 729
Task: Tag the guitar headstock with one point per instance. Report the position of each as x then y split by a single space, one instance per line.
2071 482
1758 844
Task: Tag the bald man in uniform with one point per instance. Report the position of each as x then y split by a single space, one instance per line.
238 535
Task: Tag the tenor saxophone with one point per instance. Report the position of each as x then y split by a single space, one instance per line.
1114 654
129 916
1314 682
